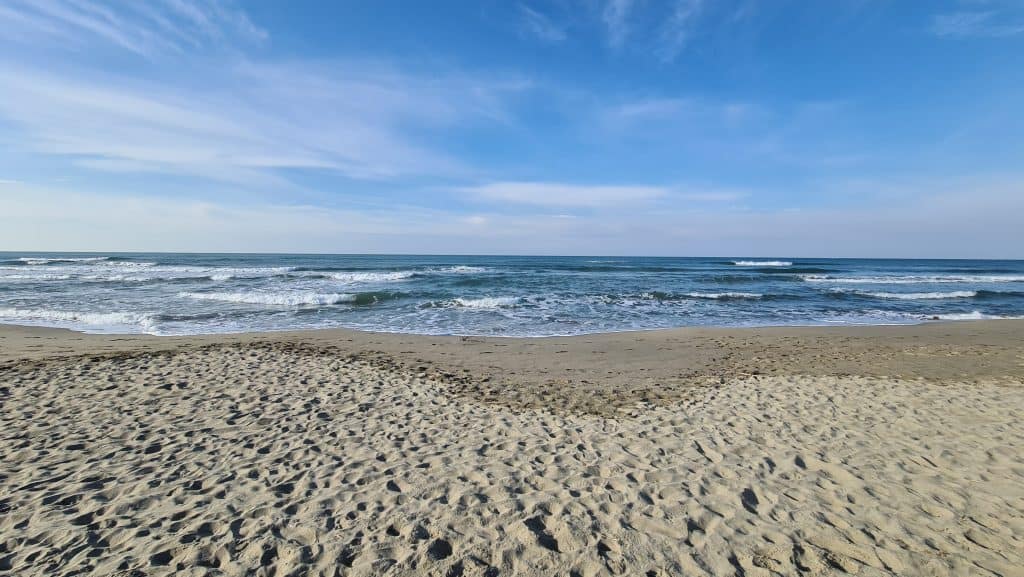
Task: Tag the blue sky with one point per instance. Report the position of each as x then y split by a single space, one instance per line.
682 127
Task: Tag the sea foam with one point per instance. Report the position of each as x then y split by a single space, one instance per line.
725 295
911 296
106 319
486 302
762 263
371 277
35 276
907 279
460 269
289 299
185 294
971 316
43 261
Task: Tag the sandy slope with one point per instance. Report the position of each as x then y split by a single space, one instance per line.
291 459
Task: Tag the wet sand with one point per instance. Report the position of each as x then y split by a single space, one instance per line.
788 451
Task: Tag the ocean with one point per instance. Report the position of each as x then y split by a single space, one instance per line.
177 294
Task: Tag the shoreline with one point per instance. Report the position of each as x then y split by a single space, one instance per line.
837 326
923 321
613 370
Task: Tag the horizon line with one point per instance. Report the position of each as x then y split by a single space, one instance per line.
507 255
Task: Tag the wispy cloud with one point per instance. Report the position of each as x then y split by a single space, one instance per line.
540 25
710 195
674 112
574 195
650 108
616 20
36 218
662 30
144 28
243 122
928 218
554 194
975 24
678 29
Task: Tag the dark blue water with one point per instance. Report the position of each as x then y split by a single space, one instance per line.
477 295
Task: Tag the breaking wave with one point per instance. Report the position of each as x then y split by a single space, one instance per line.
762 263
725 295
101 319
909 296
913 279
370 277
289 299
479 303
971 316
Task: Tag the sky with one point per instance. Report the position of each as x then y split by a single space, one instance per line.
847 128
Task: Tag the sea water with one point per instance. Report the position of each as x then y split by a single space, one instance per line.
175 294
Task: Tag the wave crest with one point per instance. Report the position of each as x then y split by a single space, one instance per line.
461 269
971 316
289 299
910 296
485 302
110 319
725 295
31 260
913 279
370 277
762 263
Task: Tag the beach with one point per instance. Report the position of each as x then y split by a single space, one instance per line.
881 450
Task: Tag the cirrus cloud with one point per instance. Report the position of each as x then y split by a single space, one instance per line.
565 195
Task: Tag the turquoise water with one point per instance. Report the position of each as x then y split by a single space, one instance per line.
483 295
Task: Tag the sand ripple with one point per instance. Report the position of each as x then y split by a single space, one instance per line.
282 460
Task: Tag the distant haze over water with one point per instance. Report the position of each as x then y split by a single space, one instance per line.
490 295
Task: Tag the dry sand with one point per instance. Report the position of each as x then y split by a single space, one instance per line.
870 451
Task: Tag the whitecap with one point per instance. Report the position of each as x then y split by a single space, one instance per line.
461 269
971 316
290 299
913 279
762 263
911 296
486 302
725 295
184 272
37 276
371 277
31 260
100 319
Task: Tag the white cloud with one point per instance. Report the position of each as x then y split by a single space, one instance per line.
218 116
36 218
565 195
665 34
963 218
651 108
616 20
361 120
967 24
969 218
144 28
678 28
540 25
956 218
569 195
710 194
651 111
